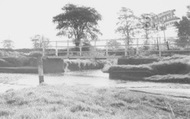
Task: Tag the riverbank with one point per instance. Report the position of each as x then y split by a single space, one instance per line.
170 69
86 102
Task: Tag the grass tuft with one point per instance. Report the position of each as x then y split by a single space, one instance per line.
83 102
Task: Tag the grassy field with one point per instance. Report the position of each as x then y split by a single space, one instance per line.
84 102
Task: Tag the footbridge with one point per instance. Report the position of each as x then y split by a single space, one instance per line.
101 49
108 48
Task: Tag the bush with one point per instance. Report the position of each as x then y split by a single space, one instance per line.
141 72
136 61
126 68
35 54
4 63
14 62
171 67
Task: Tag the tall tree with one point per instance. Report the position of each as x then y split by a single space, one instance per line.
7 44
183 27
126 25
78 22
40 41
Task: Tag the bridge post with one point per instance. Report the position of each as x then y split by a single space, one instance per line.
40 69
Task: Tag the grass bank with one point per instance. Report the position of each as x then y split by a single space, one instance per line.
83 102
170 69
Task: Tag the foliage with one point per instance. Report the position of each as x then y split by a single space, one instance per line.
183 27
35 54
113 44
40 42
7 44
127 24
78 22
178 66
164 67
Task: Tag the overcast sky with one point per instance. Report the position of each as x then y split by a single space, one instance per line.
22 19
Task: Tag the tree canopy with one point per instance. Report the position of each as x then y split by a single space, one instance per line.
40 41
127 23
183 27
7 44
78 22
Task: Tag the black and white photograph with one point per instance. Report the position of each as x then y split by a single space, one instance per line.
94 59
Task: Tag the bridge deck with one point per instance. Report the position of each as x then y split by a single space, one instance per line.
83 57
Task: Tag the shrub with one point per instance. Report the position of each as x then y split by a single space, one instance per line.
124 68
4 63
136 61
35 54
171 67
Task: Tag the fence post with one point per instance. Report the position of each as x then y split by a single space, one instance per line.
40 69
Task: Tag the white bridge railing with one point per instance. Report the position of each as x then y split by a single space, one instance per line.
108 49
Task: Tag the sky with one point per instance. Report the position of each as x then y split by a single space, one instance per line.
22 19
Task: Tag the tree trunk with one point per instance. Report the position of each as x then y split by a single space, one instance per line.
77 44
127 45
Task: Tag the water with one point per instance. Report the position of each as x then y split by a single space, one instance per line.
17 81
94 78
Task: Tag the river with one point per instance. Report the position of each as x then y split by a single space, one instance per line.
94 78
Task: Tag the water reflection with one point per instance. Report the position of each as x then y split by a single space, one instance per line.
16 81
95 78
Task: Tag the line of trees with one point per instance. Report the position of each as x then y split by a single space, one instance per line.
80 24
7 44
183 27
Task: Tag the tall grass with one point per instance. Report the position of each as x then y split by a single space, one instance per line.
83 102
